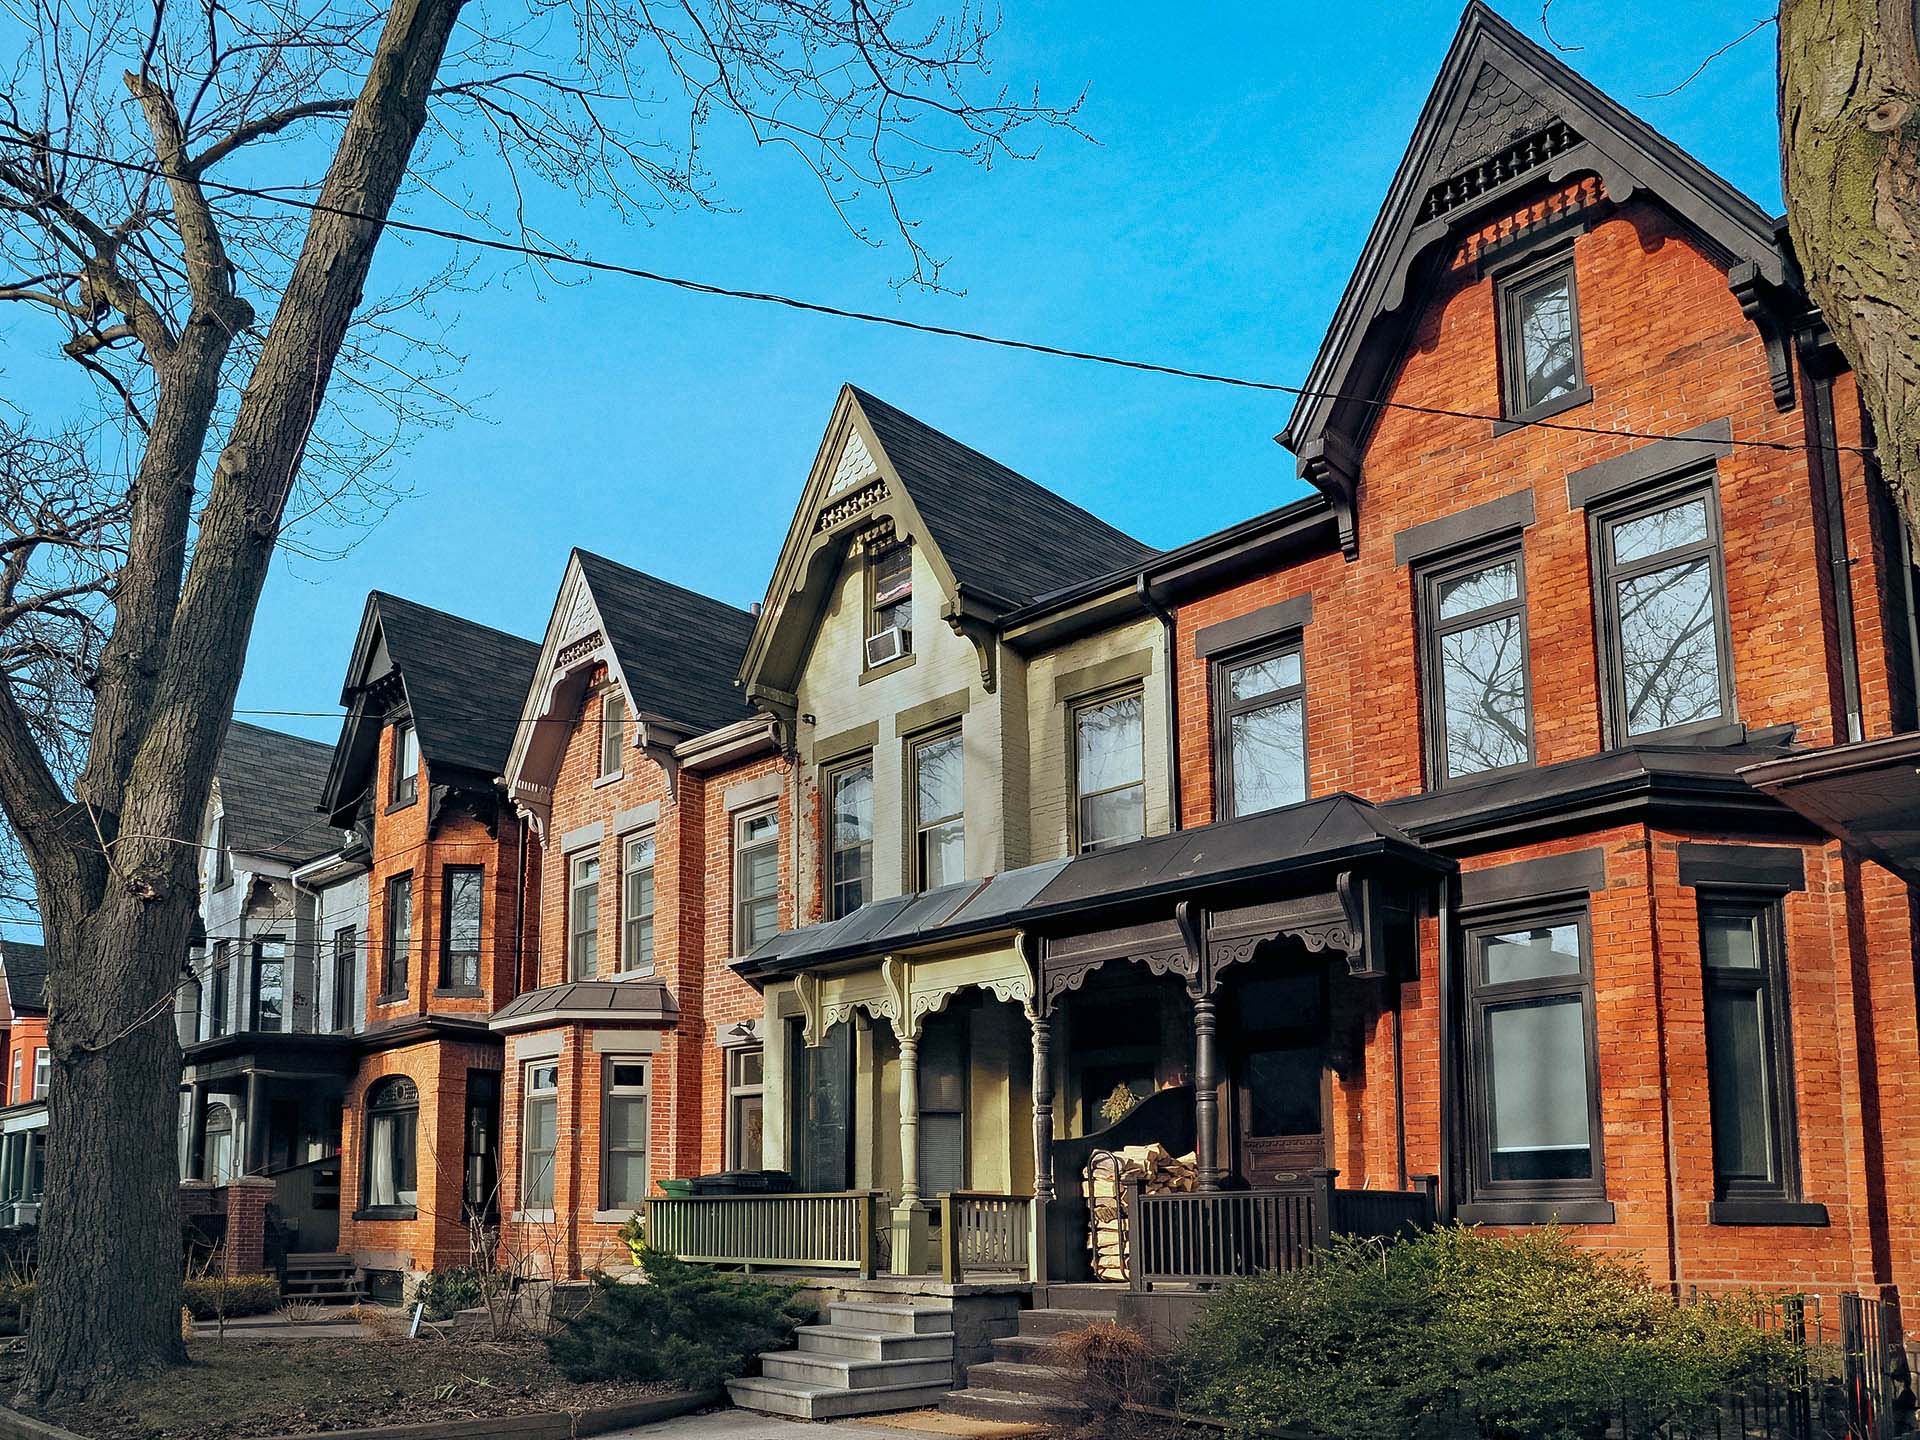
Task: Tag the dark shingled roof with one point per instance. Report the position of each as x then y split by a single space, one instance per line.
270 789
679 651
466 682
1001 534
26 971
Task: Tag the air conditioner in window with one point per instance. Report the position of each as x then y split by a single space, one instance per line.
889 644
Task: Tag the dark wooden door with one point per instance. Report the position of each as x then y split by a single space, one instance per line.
1280 1082
822 1144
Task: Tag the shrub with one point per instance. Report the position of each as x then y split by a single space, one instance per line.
447 1292
1457 1332
16 1306
684 1324
207 1296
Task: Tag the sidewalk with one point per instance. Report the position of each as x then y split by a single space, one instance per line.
746 1425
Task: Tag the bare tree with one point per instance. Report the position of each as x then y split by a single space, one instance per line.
1850 161
190 200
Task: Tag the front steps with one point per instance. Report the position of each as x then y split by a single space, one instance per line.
866 1359
1026 1380
322 1279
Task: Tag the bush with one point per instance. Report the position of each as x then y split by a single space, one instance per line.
685 1325
205 1296
16 1306
1461 1333
447 1292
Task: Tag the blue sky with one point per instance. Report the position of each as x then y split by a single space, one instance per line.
1241 152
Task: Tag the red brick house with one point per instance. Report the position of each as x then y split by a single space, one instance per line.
23 1115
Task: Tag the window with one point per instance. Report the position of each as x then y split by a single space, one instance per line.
1663 605
270 984
939 824
539 1135
889 599
14 1096
393 1115
1479 711
481 1158
943 1105
613 733
461 888
399 948
1540 363
1533 1083
1260 719
1749 1074
219 1145
346 965
222 857
849 836
623 1135
1109 771
220 988
406 763
746 1090
42 1072
636 903
583 917
756 879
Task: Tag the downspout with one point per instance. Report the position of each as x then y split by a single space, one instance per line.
1143 588
1823 450
1449 1057
520 910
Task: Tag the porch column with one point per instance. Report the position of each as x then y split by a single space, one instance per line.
1042 1138
197 1130
909 1216
256 1156
1206 1092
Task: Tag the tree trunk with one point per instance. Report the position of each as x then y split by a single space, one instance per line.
108 1291
1850 162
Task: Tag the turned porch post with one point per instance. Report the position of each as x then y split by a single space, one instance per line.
1206 1092
910 1221
1042 1141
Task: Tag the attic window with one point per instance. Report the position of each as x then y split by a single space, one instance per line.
1540 360
889 602
613 733
1526 153
406 764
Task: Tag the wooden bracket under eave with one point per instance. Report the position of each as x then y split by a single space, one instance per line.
1773 312
1330 463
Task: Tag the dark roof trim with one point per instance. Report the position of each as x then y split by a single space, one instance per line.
1647 464
1463 527
1263 543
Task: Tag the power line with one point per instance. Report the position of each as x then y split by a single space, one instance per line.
923 327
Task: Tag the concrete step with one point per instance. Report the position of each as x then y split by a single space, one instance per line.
899 1319
1052 1381
874 1344
324 1292
1025 1350
1012 1408
1058 1322
1105 1299
837 1372
802 1401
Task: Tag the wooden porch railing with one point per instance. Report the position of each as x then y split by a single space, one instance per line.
984 1232
836 1231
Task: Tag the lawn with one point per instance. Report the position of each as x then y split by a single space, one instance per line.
235 1388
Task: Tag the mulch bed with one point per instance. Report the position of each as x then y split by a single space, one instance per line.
235 1388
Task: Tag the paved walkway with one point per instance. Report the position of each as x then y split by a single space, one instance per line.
746 1425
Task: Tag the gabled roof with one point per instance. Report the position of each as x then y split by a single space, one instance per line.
25 968
271 786
1504 115
463 683
679 650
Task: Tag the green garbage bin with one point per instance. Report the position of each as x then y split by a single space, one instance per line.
678 1189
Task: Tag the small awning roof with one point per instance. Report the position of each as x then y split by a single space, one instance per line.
1331 831
1866 793
600 1002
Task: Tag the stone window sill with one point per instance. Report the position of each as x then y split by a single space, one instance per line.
1766 1212
387 1212
874 672
612 1217
1538 1212
610 778
1572 400
532 1217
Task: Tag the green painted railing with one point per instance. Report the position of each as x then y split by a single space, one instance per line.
836 1231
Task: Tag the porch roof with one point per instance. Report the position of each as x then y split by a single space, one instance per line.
1334 830
1866 793
605 1002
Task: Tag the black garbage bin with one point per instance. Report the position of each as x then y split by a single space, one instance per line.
743 1182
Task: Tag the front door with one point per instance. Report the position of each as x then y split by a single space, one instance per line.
822 1139
1279 1072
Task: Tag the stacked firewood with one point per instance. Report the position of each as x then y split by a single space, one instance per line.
1109 1179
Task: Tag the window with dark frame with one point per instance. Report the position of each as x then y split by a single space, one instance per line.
42 1072
270 985
1260 729
462 888
849 791
756 878
480 1158
938 786
636 903
539 1135
222 857
1662 602
1109 770
583 916
346 964
623 1135
890 591
391 1180
219 988
1475 676
406 764
398 951
746 1095
1749 1049
1533 1080
613 733
1541 368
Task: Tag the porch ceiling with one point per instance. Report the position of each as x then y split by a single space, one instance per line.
1866 793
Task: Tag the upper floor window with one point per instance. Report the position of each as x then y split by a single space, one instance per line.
222 857
42 1073
219 988
1749 1077
13 1091
1663 615
539 1135
1479 710
461 888
270 984
889 602
849 836
939 811
399 946
1260 720
613 733
636 903
756 878
406 763
1540 362
1109 771
583 917
346 964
